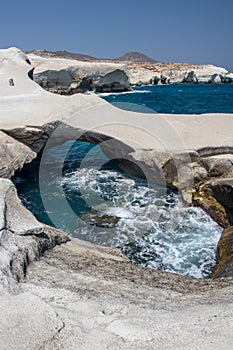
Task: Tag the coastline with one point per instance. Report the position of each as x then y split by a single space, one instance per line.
76 278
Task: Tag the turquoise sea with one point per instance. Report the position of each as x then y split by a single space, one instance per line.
105 206
176 98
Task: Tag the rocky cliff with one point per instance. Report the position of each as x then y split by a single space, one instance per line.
67 73
69 76
170 73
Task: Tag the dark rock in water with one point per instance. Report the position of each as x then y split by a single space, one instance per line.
98 219
224 267
116 81
142 256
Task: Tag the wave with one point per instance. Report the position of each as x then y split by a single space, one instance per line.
105 94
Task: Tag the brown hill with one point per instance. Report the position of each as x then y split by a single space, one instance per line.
135 57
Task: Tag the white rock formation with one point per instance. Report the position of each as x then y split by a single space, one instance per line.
174 73
67 76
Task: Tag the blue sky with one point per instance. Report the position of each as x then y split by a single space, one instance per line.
195 31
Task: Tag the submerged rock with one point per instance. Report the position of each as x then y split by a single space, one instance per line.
100 219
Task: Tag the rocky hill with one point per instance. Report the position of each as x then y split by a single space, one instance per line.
135 57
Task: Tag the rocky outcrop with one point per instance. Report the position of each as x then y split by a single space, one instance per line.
64 82
22 238
215 194
67 76
170 73
116 81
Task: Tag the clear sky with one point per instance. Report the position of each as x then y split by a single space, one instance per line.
195 31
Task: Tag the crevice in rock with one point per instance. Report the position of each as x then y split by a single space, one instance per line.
214 151
59 330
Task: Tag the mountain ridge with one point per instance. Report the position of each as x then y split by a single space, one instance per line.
132 57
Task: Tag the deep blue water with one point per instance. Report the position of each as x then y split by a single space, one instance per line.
176 98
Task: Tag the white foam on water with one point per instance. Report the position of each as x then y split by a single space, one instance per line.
104 94
153 230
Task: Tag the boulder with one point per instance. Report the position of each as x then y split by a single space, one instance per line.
115 81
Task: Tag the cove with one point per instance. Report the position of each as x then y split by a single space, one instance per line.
93 200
